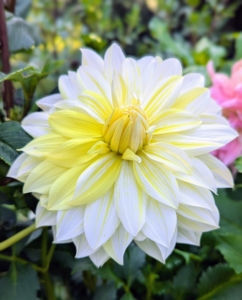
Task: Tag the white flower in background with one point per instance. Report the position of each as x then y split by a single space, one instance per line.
122 154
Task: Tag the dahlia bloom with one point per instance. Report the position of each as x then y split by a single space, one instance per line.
122 154
227 92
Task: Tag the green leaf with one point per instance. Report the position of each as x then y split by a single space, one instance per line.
22 8
238 162
238 55
30 76
184 282
230 245
7 154
20 283
13 135
21 35
128 296
219 283
105 292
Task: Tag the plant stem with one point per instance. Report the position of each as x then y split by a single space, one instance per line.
46 259
20 260
17 237
8 88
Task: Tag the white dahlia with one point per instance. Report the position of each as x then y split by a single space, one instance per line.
122 154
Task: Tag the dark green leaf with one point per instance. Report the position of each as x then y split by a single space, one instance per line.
230 245
220 283
7 154
13 135
184 282
20 283
105 292
128 296
238 162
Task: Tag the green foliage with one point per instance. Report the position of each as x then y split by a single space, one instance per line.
218 283
20 283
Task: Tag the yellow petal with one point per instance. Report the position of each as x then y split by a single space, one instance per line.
42 177
43 145
74 124
62 190
97 179
72 153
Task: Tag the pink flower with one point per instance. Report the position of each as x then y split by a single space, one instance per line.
227 92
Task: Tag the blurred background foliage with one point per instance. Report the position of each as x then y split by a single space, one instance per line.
44 41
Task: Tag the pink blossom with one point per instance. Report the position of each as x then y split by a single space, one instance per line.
227 92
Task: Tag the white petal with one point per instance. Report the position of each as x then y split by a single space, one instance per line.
199 105
113 60
99 257
164 70
44 217
140 236
83 249
221 173
192 81
156 181
130 74
47 103
188 237
68 88
130 200
144 62
160 222
101 220
200 176
13 171
195 196
197 219
69 223
213 107
92 80
54 237
36 124
92 59
151 248
166 251
117 244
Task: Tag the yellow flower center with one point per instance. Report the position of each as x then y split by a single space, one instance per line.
127 127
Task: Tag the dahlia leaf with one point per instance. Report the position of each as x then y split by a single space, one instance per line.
20 283
218 283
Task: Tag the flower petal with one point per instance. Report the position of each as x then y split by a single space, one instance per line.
62 190
42 145
221 173
130 200
188 237
83 249
191 81
199 219
14 169
200 176
101 220
72 153
117 244
113 60
99 257
42 177
160 222
97 179
91 59
151 248
44 217
69 223
74 124
91 80
36 124
172 157
68 88
46 103
156 181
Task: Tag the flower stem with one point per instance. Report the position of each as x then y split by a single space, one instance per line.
17 237
20 260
